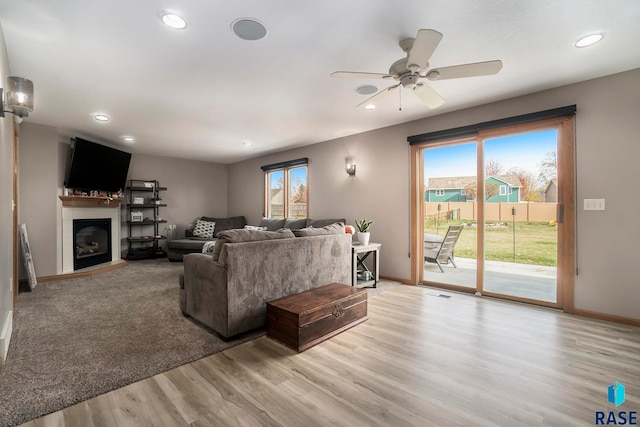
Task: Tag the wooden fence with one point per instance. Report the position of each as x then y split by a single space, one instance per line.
525 211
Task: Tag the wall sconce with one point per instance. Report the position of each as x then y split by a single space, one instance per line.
349 166
18 98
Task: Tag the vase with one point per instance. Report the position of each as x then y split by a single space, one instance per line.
363 238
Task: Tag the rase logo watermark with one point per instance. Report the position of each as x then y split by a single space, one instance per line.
616 396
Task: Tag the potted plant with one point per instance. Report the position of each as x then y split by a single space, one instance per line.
363 230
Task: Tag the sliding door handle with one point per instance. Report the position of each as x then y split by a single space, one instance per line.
560 214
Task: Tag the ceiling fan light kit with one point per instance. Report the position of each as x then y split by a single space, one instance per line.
408 71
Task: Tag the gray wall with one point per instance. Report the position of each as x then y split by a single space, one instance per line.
607 129
38 192
195 188
6 198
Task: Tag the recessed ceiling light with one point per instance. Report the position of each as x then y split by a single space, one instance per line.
247 143
129 139
101 117
589 40
366 90
248 29
370 107
174 21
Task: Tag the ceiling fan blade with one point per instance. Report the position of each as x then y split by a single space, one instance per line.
351 74
378 95
427 95
426 43
466 70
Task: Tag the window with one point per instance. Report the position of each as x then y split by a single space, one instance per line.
503 190
286 190
439 192
463 192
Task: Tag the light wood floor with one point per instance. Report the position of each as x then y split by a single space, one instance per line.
419 360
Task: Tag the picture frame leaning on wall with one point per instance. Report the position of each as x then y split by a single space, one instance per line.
26 255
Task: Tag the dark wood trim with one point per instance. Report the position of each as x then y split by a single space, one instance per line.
89 202
285 165
85 273
470 131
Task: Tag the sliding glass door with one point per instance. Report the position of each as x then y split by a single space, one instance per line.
521 227
493 214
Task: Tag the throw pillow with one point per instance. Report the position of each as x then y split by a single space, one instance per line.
204 229
255 228
336 228
207 248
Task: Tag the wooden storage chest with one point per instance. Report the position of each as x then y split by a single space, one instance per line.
303 320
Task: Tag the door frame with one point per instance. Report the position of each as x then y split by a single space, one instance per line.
14 207
565 127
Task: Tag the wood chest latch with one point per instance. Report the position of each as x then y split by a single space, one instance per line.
337 311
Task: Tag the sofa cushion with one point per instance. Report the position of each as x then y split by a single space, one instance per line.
334 228
272 224
295 223
204 229
239 236
223 224
318 223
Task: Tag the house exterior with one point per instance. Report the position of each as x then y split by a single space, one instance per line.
551 192
504 188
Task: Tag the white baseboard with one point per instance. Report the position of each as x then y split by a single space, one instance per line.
5 337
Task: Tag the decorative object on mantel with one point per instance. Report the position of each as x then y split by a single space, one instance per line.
89 202
363 230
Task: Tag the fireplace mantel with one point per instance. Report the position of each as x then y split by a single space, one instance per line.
89 202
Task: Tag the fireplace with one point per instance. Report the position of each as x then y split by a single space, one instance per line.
91 242
87 208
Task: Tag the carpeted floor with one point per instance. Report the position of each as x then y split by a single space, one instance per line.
76 339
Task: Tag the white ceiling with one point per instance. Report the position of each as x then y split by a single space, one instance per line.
200 92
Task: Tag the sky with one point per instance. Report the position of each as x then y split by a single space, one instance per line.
525 150
297 176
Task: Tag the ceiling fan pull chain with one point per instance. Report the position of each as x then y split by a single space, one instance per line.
400 95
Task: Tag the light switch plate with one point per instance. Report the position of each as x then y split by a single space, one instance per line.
593 204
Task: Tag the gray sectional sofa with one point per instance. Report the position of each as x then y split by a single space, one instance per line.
178 248
228 290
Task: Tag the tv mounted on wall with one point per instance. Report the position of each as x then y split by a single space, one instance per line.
96 167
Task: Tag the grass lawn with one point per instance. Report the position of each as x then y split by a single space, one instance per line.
536 242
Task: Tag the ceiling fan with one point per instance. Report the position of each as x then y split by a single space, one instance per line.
408 71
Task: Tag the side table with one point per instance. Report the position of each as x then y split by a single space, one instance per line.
359 253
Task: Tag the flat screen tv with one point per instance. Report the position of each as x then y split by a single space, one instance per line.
96 167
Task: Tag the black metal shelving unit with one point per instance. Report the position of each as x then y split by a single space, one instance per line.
142 245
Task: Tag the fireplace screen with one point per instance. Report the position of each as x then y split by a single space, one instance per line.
91 242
